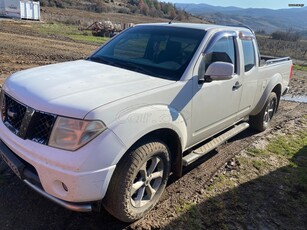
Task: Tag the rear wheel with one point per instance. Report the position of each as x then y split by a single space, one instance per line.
261 121
138 181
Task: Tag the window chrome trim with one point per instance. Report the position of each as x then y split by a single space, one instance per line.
217 37
245 35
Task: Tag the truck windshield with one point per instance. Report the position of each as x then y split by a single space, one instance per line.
159 51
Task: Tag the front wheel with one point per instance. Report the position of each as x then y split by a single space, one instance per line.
138 181
261 121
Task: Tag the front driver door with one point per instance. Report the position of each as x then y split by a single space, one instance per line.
216 103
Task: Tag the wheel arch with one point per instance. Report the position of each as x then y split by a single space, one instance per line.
152 122
274 85
277 90
171 139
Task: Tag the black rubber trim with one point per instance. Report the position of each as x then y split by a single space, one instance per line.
32 177
11 160
20 167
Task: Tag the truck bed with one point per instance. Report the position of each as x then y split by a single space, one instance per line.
266 60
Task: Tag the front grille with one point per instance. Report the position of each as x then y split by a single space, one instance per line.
26 122
12 113
41 127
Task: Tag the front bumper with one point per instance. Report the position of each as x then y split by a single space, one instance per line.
31 179
82 207
29 176
74 180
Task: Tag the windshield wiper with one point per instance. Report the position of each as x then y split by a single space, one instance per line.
138 68
103 60
126 65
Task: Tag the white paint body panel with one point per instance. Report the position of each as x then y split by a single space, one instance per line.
75 88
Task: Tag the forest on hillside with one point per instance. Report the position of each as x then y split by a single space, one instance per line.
151 8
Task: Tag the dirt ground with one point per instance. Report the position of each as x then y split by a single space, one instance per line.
253 208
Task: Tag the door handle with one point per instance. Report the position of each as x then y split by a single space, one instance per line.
236 86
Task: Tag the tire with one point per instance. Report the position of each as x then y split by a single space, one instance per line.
261 121
138 181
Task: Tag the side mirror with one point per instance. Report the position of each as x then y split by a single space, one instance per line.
218 71
215 71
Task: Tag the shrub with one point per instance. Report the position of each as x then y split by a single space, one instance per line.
289 35
124 10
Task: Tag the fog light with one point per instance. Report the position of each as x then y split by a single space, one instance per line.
65 187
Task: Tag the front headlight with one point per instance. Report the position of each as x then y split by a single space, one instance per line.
71 134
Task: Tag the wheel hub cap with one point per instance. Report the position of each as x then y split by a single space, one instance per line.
147 182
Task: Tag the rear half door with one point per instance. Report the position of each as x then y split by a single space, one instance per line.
249 71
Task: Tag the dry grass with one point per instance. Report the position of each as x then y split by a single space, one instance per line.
297 50
85 18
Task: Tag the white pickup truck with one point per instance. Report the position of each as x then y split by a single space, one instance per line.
109 130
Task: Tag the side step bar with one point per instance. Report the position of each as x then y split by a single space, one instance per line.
197 153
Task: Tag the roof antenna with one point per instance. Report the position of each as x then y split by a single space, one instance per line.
170 22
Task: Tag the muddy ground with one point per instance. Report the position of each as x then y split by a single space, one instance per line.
253 208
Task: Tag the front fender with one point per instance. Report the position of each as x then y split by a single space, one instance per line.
274 81
132 125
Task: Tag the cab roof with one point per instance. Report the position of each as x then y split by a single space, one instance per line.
199 26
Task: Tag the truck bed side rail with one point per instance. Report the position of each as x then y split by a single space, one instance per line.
267 60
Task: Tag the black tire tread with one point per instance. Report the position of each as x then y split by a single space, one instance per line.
256 122
117 196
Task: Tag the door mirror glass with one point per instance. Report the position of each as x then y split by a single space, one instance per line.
220 71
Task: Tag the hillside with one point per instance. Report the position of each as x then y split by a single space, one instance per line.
152 8
258 19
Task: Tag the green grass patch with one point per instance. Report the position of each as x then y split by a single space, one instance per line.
221 182
300 160
258 164
69 31
83 38
292 164
282 164
184 207
300 67
57 29
288 145
191 215
256 152
294 148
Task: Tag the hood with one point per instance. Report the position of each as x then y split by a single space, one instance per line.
75 88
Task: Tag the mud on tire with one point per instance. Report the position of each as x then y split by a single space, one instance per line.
138 181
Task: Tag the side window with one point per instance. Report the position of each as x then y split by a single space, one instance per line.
249 54
223 50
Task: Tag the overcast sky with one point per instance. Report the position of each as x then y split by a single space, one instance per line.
272 4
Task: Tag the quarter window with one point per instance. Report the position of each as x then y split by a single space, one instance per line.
249 54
